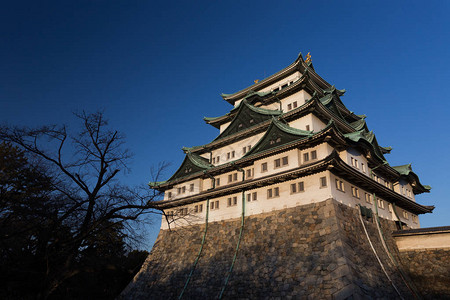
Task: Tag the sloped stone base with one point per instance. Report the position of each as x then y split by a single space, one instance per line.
316 251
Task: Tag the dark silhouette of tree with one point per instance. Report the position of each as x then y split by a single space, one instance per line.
71 210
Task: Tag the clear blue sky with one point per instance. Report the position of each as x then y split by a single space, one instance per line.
158 67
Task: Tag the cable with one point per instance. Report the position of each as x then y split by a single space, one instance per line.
376 255
199 252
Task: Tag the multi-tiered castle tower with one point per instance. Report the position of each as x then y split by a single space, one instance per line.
280 203
289 141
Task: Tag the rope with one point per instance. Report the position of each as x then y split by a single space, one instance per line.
391 256
199 252
237 247
376 255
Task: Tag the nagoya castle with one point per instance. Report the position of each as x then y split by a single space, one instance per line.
294 199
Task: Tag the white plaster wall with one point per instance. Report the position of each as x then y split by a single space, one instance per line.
401 186
313 194
423 241
350 153
385 212
293 77
198 187
300 97
315 124
292 163
224 126
237 147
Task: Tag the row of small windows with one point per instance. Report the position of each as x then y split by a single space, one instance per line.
181 190
292 105
282 86
231 154
309 156
279 162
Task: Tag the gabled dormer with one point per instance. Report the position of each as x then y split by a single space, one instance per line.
246 117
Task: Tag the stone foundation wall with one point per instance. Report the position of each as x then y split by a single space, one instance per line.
316 251
430 271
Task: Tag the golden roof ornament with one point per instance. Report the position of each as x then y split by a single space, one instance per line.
308 57
256 80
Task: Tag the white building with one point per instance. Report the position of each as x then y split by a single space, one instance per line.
289 140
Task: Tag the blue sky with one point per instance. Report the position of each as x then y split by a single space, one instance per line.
158 67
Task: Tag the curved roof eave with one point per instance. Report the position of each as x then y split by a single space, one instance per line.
299 64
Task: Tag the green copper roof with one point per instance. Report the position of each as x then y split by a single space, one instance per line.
386 150
359 125
406 170
247 116
403 169
276 135
369 138
156 183
192 163
332 89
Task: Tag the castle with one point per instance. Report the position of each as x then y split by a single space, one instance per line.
294 198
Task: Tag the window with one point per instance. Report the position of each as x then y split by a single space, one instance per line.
294 104
284 85
355 192
323 182
405 214
277 163
289 106
179 191
232 201
363 168
196 209
214 160
284 161
380 203
368 198
390 207
169 195
214 205
305 157
301 186
228 155
249 147
218 159
244 150
217 182
191 187
232 177
414 218
249 173
183 189
264 167
254 196
314 154
297 187
307 128
293 188
340 185
233 154
272 193
354 162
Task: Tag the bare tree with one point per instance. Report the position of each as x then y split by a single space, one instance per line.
88 199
